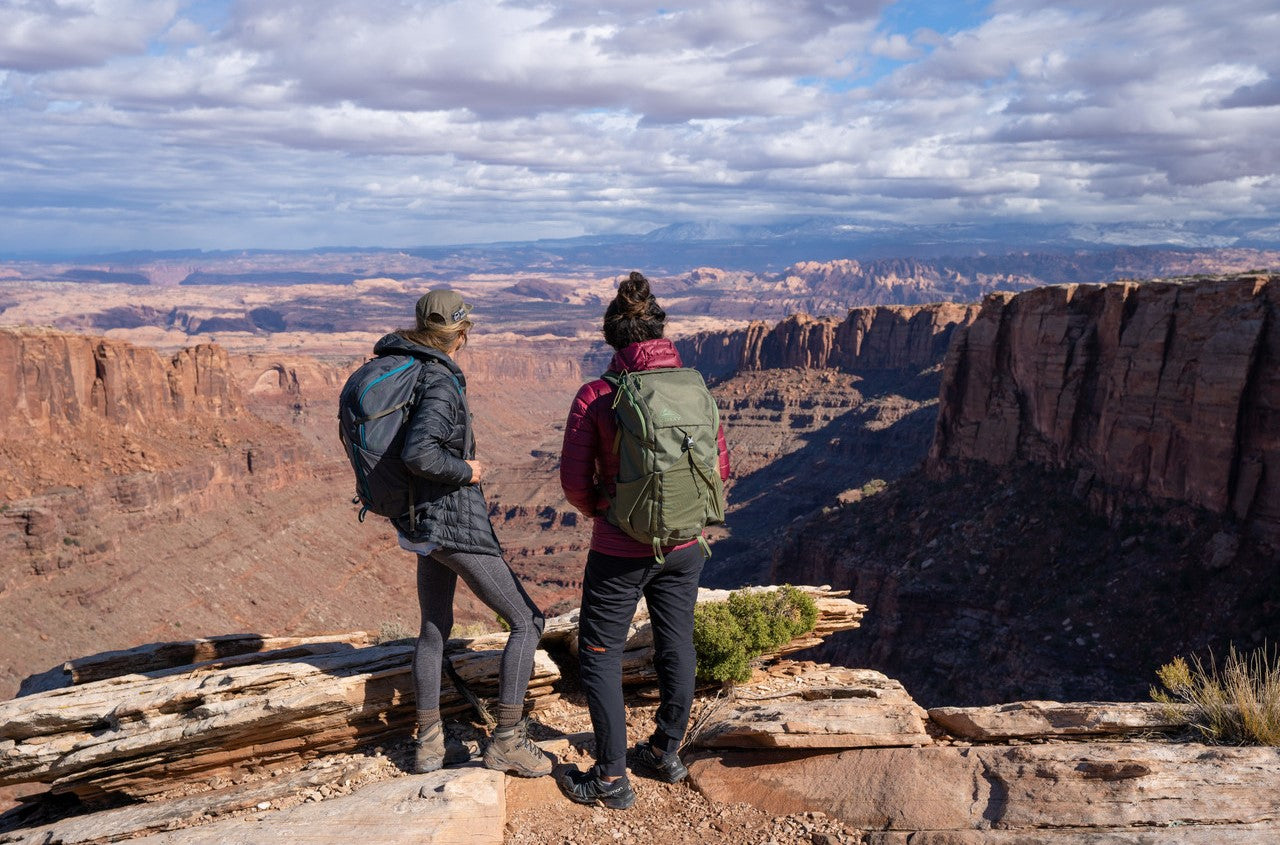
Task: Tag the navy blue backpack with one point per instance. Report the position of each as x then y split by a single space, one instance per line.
372 409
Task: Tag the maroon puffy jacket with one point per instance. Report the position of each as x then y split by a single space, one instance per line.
588 464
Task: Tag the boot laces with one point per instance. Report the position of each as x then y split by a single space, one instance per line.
521 737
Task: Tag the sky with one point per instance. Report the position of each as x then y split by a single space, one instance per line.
163 124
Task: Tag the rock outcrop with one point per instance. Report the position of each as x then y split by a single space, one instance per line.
1101 495
910 337
1168 390
816 707
147 720
140 734
831 753
1053 719
54 380
1063 792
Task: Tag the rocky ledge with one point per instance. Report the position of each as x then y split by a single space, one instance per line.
306 740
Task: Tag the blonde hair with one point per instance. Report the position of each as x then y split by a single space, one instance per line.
438 335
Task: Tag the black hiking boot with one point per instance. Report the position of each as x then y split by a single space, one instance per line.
667 768
588 788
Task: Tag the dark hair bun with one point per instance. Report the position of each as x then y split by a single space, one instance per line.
634 315
634 293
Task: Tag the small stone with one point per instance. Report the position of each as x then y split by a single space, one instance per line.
264 805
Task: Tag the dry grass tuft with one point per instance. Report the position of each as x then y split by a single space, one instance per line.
1237 704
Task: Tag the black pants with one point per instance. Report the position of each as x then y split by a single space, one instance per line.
611 589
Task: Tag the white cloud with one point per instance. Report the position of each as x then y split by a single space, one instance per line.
39 35
419 120
894 46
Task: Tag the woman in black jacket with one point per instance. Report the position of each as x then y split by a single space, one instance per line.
453 537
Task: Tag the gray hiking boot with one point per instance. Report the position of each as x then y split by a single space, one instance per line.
434 749
511 750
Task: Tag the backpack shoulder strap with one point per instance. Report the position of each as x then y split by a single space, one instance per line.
468 441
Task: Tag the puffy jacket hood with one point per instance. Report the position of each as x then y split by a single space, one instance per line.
645 355
394 344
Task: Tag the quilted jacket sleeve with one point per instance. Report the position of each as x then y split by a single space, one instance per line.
723 448
577 455
431 445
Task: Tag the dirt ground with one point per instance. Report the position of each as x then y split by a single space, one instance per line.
663 813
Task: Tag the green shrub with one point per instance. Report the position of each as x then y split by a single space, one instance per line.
719 644
728 635
1238 704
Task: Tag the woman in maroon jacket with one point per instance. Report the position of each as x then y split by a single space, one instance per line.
621 569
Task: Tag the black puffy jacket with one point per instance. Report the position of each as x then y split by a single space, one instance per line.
449 510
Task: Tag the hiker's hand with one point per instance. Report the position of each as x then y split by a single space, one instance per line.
477 471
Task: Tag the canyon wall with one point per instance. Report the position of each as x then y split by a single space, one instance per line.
838 403
1170 390
880 337
146 495
1102 494
52 379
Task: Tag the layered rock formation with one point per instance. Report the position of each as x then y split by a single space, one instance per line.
1168 389
815 407
873 338
1101 496
279 745
150 719
54 380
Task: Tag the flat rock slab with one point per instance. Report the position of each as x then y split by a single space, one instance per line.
1046 719
825 707
1059 785
464 805
135 820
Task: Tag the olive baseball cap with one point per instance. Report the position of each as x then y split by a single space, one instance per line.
443 307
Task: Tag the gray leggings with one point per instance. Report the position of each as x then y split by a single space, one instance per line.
496 585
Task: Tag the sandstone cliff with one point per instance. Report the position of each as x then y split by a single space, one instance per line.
53 379
147 495
882 337
835 402
120 470
1101 495
1168 389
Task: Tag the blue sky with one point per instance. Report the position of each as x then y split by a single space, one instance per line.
298 123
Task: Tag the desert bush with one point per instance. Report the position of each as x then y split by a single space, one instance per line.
469 630
874 486
390 631
1237 704
728 635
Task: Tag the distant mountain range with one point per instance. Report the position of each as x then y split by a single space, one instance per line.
769 247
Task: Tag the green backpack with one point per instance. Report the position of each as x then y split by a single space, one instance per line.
668 485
